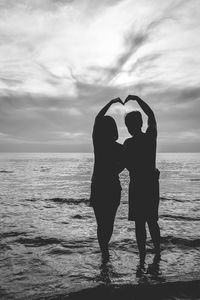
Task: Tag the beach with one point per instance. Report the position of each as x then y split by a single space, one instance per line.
49 248
175 290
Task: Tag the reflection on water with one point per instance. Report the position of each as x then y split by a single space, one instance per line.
145 274
154 268
151 273
106 270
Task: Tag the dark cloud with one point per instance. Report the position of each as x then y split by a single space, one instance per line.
33 119
35 122
95 93
144 62
133 43
172 94
10 82
28 116
38 118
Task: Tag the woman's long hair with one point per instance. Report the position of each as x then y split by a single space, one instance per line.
107 129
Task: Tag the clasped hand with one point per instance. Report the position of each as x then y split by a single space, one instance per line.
130 97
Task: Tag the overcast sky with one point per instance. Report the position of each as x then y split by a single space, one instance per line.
61 61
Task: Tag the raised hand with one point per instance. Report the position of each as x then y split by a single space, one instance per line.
104 110
146 109
131 97
116 100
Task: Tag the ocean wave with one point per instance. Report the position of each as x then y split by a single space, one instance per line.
125 245
60 251
171 199
171 240
178 200
75 201
32 199
11 234
72 244
4 247
166 242
6 171
37 241
77 217
58 200
64 222
186 218
194 179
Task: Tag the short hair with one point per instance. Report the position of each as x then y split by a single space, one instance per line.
134 118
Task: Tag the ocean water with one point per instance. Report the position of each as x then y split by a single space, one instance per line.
48 232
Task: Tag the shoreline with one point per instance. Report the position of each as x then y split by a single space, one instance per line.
161 291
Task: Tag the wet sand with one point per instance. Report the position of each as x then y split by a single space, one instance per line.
170 290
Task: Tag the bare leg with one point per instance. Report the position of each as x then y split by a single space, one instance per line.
154 230
140 231
105 223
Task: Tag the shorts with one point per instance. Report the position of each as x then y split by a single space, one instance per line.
144 196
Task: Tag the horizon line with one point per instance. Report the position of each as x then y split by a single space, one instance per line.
86 152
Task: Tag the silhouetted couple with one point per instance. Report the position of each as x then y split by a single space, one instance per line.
138 156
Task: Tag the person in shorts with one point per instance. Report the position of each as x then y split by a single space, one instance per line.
140 160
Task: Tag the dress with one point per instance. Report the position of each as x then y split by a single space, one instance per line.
140 157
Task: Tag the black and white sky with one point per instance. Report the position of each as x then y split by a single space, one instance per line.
62 60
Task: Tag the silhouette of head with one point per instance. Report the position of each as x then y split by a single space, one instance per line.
133 121
108 129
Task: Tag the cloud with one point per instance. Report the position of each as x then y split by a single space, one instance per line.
61 61
48 119
136 38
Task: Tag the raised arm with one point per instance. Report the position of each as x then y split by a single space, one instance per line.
97 131
104 110
146 109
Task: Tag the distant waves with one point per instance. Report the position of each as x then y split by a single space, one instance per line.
77 201
29 239
68 201
177 217
178 200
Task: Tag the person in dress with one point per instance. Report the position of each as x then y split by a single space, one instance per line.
105 184
140 160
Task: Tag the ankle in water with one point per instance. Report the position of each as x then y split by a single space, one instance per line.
105 256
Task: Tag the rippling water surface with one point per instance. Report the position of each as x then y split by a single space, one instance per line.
48 232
